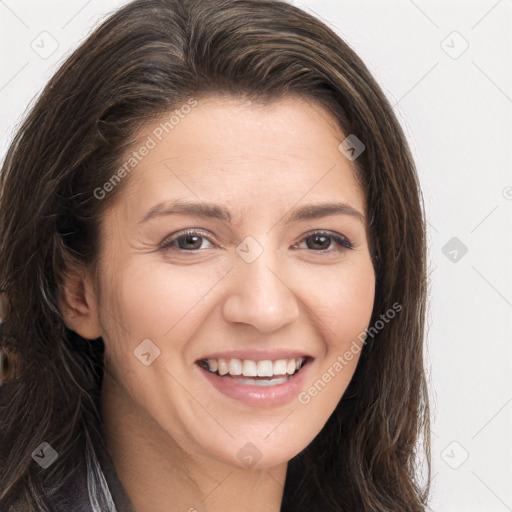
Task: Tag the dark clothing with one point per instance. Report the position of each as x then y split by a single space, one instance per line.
74 497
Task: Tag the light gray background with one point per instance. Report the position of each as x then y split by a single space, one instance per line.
456 109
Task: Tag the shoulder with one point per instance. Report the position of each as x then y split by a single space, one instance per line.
98 489
72 496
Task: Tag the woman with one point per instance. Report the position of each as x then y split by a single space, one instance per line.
278 361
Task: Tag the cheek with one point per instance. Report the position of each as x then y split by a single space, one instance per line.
156 302
153 299
344 303
343 309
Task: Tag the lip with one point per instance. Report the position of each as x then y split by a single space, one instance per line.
258 396
257 355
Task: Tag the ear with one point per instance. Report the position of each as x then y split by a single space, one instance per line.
79 305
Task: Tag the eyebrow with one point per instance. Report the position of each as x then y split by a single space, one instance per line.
216 211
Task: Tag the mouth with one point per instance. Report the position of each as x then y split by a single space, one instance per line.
264 382
265 372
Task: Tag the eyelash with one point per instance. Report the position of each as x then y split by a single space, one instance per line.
343 242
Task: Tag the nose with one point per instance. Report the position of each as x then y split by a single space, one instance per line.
259 296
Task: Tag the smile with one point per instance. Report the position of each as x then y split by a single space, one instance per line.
257 383
251 368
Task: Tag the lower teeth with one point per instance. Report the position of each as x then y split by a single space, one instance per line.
266 382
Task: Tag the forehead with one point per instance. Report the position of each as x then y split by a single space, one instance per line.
250 155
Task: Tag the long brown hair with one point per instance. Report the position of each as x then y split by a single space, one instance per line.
147 59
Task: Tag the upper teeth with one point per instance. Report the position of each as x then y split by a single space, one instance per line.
251 368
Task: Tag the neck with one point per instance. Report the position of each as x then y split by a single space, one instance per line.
156 472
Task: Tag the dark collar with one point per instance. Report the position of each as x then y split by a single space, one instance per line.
74 496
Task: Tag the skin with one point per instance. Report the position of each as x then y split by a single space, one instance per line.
174 438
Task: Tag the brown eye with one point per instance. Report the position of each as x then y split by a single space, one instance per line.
187 241
322 240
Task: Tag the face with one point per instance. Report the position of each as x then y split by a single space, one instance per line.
219 257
